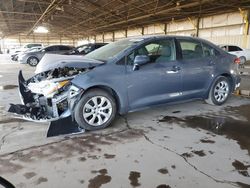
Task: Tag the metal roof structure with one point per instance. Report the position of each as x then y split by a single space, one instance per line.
90 17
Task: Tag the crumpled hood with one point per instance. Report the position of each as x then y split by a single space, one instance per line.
52 61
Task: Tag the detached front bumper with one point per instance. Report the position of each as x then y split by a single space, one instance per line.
39 108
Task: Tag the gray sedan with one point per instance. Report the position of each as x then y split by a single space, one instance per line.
33 58
125 76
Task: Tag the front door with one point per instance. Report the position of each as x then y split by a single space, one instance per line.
158 81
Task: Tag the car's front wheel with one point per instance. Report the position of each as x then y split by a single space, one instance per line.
33 61
96 110
219 91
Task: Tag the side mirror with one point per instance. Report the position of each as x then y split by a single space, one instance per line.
140 60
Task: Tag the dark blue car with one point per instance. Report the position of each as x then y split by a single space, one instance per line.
125 76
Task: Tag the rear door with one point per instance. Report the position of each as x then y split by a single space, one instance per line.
63 49
196 68
52 49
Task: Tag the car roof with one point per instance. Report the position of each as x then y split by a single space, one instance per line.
220 45
98 43
58 45
160 36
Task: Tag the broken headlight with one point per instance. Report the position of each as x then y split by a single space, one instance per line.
48 88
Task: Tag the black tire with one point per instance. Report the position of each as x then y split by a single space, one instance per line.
212 97
86 98
33 61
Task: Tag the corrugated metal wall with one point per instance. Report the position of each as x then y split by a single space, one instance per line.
220 29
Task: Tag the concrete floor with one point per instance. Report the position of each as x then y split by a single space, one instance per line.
185 145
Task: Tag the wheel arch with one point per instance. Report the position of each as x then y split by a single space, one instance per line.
110 91
32 56
228 76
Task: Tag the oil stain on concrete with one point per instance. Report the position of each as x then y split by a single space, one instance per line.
41 180
241 168
64 149
29 175
163 186
109 156
163 171
7 87
134 178
100 179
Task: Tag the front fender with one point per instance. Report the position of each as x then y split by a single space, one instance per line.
112 77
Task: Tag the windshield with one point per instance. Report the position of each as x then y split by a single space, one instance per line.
111 50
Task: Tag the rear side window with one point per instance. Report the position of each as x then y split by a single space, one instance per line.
33 45
51 48
234 48
190 49
99 45
209 51
62 48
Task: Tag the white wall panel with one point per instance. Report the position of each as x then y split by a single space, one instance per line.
219 20
234 30
181 33
108 37
134 32
234 18
205 33
99 38
120 34
206 22
178 26
218 31
154 29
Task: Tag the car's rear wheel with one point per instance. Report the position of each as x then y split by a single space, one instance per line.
219 91
96 110
33 61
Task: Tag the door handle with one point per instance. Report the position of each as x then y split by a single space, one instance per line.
174 70
211 62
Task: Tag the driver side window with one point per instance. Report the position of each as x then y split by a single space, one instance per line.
158 52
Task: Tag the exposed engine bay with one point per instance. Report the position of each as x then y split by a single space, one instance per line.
49 95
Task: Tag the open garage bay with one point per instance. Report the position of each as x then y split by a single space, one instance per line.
186 145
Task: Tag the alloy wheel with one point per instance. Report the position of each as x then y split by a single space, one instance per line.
221 91
33 61
97 110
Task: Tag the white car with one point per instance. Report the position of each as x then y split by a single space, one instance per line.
14 56
243 54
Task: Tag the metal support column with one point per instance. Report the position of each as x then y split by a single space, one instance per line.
246 17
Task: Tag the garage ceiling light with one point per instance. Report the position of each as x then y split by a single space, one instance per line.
41 29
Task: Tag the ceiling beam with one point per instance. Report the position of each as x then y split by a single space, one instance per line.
42 16
21 13
34 1
170 9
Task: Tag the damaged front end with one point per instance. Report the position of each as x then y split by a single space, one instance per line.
49 95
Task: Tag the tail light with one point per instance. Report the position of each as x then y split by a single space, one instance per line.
237 60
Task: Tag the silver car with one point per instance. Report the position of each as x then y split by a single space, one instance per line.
33 58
